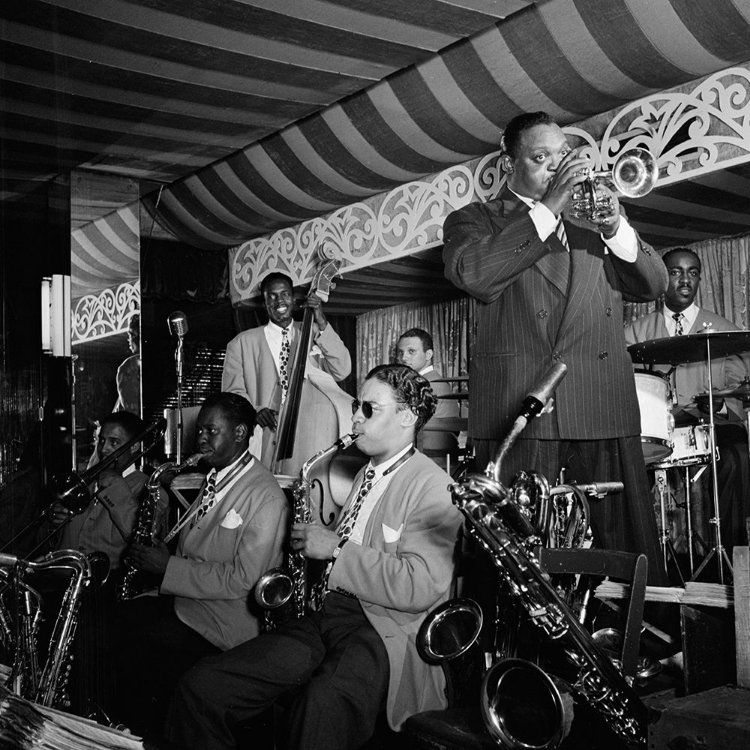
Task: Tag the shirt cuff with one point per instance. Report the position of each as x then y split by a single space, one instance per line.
624 244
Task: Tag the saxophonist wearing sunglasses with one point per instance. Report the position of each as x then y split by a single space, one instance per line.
390 561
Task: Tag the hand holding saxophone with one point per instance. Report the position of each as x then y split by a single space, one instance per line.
149 559
314 541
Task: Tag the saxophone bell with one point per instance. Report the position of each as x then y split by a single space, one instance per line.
273 589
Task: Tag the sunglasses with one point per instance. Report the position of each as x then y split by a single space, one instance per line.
366 407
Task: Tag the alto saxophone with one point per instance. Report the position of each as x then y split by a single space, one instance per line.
48 687
278 586
145 528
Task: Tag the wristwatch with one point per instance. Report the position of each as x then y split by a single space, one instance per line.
338 549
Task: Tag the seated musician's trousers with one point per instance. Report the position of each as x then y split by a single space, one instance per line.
335 656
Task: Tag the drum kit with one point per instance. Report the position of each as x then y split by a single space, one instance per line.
666 446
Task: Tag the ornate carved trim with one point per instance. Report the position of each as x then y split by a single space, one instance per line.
699 128
108 313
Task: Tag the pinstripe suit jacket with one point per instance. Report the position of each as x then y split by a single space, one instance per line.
532 314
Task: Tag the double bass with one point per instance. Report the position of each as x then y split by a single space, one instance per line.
315 414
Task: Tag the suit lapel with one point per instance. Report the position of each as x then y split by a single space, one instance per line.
554 266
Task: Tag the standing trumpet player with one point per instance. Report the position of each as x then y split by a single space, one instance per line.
391 561
232 534
550 290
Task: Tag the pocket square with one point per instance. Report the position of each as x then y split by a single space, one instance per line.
232 520
392 535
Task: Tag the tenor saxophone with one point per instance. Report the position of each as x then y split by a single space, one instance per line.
289 583
145 527
49 686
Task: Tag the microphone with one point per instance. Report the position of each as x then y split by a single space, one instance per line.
534 403
177 322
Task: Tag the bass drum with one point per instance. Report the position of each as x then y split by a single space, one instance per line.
657 422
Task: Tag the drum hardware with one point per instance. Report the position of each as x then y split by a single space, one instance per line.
706 345
668 550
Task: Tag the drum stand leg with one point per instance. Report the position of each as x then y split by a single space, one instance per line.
693 537
718 549
667 547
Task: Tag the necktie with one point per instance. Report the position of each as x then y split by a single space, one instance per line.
678 331
286 349
560 232
344 530
346 525
209 498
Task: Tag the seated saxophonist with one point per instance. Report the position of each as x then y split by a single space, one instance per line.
233 532
390 561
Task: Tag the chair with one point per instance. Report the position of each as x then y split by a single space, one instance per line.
460 726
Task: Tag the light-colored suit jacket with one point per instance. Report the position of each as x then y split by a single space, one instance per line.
403 569
219 560
532 314
692 378
249 370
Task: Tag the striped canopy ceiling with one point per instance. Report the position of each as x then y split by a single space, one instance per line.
256 114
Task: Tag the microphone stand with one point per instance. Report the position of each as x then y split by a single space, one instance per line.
179 360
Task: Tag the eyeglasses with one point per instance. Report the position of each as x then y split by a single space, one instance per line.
366 407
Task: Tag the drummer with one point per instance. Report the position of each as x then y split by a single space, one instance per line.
681 316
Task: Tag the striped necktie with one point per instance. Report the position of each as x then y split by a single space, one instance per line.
560 232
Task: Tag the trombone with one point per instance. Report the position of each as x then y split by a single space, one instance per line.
73 492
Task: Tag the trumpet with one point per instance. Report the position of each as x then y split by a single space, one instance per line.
634 174
73 492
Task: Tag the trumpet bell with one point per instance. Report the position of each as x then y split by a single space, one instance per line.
635 173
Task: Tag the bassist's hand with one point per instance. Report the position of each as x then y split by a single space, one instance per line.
266 418
316 305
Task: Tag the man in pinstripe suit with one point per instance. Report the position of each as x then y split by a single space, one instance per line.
551 291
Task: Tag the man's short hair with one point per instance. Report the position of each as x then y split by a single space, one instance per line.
130 423
418 333
676 250
275 276
410 390
237 409
514 130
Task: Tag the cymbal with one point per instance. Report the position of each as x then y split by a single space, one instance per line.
675 350
457 396
741 391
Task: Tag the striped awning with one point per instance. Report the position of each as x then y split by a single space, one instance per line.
258 114
573 58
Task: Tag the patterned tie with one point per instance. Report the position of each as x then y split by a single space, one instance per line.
286 349
678 331
344 530
209 498
346 525
560 232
